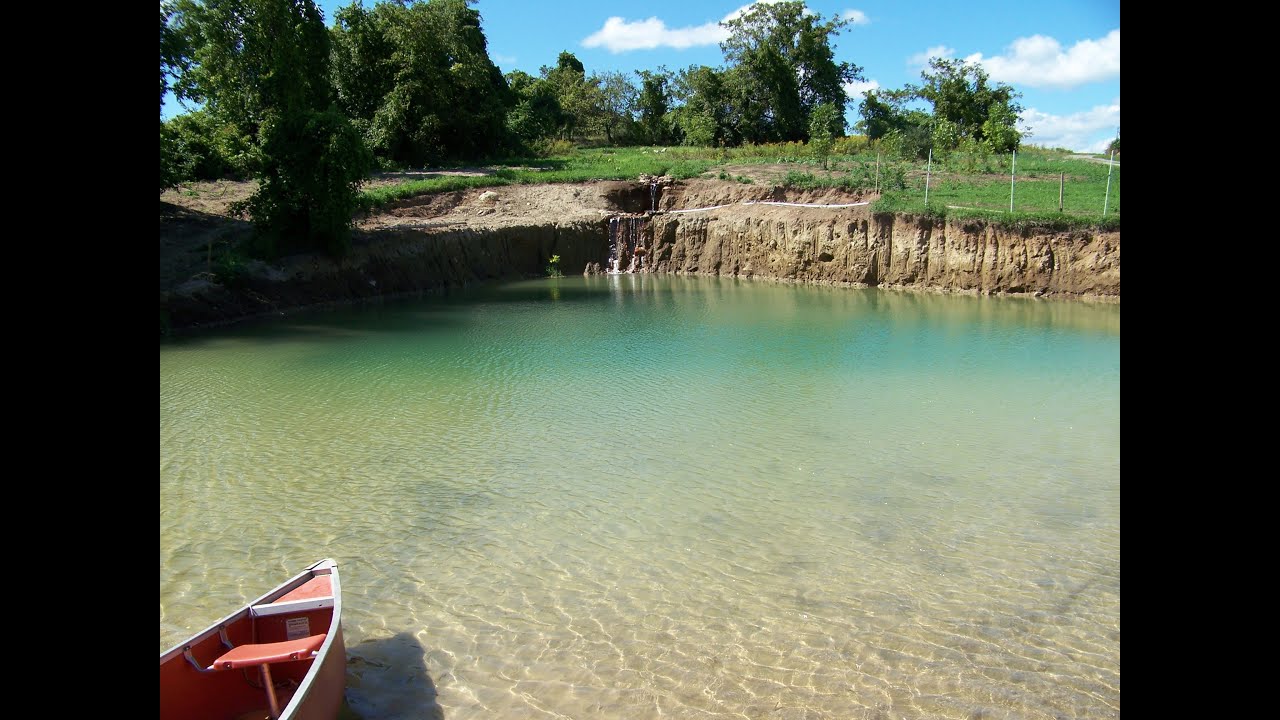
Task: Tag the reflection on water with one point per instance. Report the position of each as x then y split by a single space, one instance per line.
644 496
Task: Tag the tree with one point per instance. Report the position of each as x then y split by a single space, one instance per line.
262 66
961 94
201 148
1114 146
580 98
783 68
570 62
617 106
999 131
537 114
704 116
175 50
174 57
254 58
364 72
312 168
883 111
822 130
418 80
654 103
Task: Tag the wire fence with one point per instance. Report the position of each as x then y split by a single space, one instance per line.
1077 186
1040 184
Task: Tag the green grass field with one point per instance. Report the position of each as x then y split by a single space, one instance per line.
960 185
582 166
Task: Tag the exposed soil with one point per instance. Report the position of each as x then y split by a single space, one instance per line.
436 242
196 225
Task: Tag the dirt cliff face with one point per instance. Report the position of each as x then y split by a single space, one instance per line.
856 247
709 227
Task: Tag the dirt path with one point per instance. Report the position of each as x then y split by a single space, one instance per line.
1090 158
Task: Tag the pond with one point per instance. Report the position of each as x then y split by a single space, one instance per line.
641 496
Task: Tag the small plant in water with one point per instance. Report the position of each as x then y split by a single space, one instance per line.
553 267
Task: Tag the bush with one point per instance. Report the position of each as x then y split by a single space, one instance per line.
945 136
231 269
314 163
195 147
912 143
850 145
551 147
973 156
822 131
892 177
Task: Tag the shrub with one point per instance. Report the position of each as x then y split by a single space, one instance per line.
313 165
551 147
908 144
850 145
195 147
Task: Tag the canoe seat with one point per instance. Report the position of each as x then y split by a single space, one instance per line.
265 653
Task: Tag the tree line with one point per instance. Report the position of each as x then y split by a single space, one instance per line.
310 110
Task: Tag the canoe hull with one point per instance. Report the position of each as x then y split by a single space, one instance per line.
325 698
307 605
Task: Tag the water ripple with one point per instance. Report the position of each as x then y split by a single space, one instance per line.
643 497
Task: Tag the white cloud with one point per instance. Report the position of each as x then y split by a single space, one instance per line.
921 59
1087 131
856 88
1039 61
855 17
504 59
621 35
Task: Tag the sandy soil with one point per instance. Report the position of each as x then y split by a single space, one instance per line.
196 225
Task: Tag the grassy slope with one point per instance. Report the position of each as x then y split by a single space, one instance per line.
959 186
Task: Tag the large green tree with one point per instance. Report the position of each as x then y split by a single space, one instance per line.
963 96
175 51
883 111
705 109
653 103
262 66
536 114
580 97
174 57
201 148
615 114
783 67
418 81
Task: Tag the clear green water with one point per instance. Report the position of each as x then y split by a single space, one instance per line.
648 496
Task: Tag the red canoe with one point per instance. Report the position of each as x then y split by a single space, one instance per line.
281 656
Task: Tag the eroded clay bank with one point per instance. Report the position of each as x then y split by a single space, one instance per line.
708 227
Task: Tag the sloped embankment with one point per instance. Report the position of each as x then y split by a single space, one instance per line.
432 243
854 246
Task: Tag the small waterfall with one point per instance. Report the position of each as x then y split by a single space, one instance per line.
653 197
613 245
626 243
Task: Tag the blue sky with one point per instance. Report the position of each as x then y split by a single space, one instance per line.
1064 57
